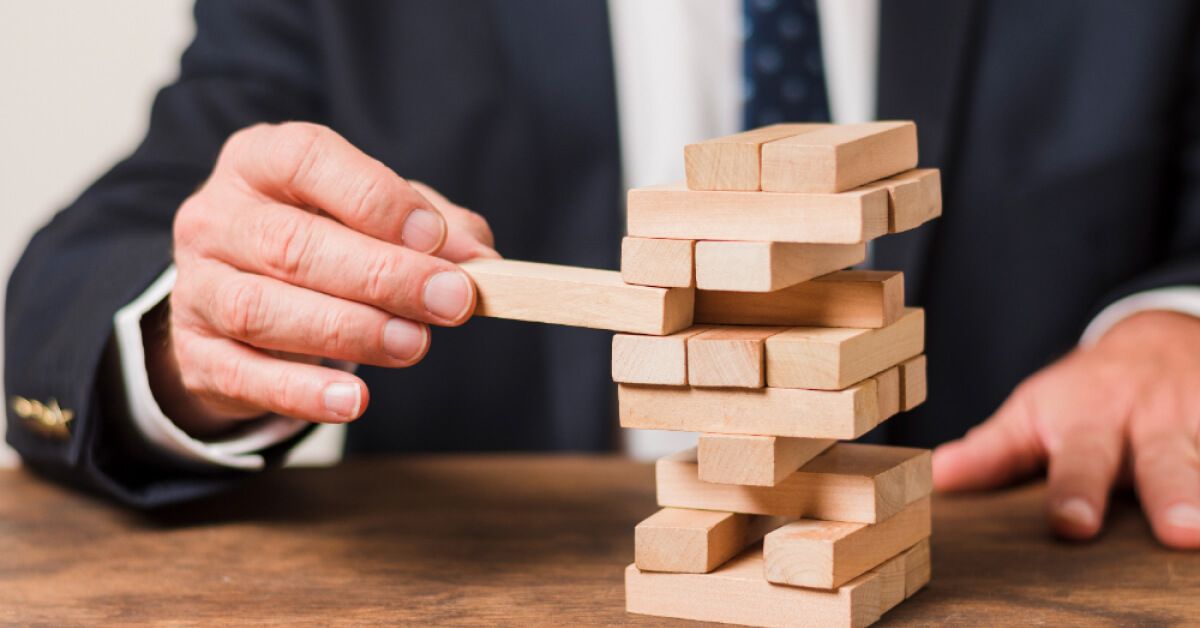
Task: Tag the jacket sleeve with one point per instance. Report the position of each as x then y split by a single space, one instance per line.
249 62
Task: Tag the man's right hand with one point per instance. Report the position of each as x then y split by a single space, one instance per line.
300 247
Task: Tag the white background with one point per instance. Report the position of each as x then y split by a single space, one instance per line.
76 82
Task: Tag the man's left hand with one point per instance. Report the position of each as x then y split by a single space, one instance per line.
1126 408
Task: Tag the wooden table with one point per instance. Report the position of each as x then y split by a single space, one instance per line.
504 540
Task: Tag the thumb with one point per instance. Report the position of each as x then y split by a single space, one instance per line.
998 451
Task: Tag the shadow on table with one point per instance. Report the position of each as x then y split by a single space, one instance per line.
495 511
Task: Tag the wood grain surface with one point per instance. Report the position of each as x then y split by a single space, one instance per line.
487 540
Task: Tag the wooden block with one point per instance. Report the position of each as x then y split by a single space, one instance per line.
660 360
728 357
737 593
839 157
657 262
850 482
832 358
864 299
917 570
769 266
732 162
887 390
914 198
828 554
673 211
913 387
841 414
682 540
581 297
754 460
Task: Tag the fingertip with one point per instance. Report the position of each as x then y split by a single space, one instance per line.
487 253
424 231
1075 518
951 469
450 296
405 341
1179 526
345 401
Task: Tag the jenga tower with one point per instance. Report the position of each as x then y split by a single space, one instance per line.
771 521
742 324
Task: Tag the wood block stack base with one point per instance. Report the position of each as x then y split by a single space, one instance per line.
737 593
770 521
741 319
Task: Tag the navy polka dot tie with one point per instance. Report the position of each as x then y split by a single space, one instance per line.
782 66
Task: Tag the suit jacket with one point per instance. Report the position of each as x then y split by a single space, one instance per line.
1068 134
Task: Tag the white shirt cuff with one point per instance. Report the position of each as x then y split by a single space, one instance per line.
1181 299
237 452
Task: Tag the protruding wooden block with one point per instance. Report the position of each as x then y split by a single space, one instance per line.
839 157
848 482
658 262
832 358
682 540
754 460
728 357
913 387
914 198
737 593
863 299
581 297
659 360
673 211
841 414
828 554
768 266
732 162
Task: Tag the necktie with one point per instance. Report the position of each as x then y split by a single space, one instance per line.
782 66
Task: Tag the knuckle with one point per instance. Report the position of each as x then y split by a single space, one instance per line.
368 197
384 279
296 150
285 245
336 337
287 392
242 143
1155 447
242 311
229 380
191 223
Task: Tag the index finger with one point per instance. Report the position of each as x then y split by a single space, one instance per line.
310 165
996 452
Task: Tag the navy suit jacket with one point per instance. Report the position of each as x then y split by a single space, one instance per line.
1068 134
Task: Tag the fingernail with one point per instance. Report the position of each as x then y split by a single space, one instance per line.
423 230
343 400
1184 516
448 295
1078 512
404 339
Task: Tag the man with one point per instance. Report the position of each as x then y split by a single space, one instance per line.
1068 135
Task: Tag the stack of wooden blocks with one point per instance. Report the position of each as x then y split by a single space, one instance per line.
744 326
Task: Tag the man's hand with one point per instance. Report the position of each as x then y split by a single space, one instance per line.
300 247
1128 406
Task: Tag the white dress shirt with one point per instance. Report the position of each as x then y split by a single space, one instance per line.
678 80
